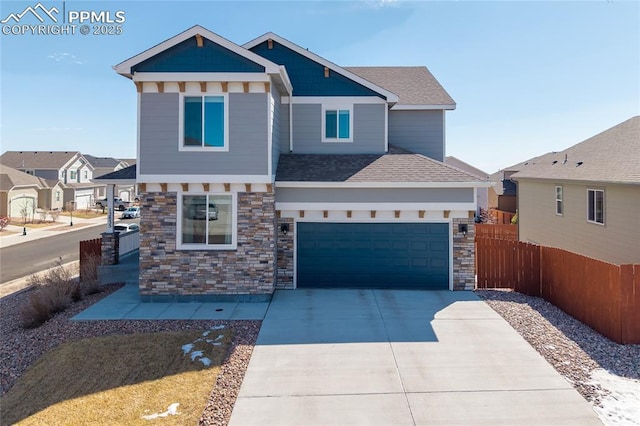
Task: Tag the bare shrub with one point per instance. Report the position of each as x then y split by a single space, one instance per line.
54 214
42 215
4 221
89 274
54 291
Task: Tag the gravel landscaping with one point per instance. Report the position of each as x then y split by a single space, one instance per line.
572 348
20 348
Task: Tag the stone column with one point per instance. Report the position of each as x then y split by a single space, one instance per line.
284 279
110 248
464 266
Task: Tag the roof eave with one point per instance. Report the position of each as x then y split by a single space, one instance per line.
360 184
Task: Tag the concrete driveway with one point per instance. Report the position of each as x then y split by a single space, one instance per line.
385 357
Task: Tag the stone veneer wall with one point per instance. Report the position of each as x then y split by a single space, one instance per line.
170 274
464 260
285 255
110 248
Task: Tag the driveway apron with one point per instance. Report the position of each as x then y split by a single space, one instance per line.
393 357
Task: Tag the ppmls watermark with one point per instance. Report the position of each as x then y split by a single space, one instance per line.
57 20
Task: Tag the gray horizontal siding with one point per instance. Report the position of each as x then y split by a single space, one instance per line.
159 132
275 131
368 131
46 174
284 128
418 131
374 195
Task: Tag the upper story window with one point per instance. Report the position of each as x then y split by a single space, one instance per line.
86 175
72 174
559 200
204 122
207 222
57 195
337 124
595 206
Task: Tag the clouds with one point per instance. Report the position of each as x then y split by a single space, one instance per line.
68 58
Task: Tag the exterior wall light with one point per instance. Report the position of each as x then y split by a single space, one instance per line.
462 227
284 228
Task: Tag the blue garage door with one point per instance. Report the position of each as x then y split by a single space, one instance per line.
373 255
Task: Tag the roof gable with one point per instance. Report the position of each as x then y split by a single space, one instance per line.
182 54
307 71
11 178
611 156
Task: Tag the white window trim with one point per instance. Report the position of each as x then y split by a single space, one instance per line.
561 199
218 247
336 107
181 146
595 190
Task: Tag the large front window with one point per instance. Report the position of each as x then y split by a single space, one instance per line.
337 125
595 206
207 221
204 122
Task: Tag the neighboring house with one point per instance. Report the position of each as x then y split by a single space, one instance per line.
503 193
105 165
482 194
19 191
266 166
586 199
70 167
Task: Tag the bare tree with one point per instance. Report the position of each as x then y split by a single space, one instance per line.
54 214
4 221
43 215
25 209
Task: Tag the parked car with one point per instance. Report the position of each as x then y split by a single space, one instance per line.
199 212
126 227
131 213
118 203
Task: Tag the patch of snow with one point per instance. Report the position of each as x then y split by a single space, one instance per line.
220 336
622 406
196 354
217 344
206 361
171 411
206 333
187 348
217 327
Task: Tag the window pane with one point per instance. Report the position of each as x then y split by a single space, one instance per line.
220 219
591 205
599 206
194 213
214 121
331 124
193 121
343 129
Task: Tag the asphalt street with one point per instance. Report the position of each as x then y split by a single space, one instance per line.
33 256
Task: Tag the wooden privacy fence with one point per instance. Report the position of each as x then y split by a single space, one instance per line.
89 248
503 232
501 217
602 295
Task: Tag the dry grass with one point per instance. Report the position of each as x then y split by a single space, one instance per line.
32 225
85 214
118 380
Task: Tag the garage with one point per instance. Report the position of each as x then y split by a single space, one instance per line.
373 255
23 202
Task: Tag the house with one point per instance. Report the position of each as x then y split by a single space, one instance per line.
69 167
502 194
586 199
482 194
22 193
266 166
105 165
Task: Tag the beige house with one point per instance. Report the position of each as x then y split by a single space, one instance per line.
586 199
22 193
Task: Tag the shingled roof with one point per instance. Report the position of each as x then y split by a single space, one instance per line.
396 166
127 173
10 178
413 85
37 159
611 156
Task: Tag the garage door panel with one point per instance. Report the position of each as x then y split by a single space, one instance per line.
373 255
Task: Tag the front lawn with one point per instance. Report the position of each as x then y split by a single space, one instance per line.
121 379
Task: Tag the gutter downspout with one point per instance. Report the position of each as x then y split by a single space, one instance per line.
291 123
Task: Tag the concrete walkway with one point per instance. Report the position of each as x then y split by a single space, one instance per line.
383 357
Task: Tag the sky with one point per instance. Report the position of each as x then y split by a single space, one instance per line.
527 77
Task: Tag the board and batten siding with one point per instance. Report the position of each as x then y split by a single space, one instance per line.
284 128
368 130
420 131
616 241
274 105
159 131
374 195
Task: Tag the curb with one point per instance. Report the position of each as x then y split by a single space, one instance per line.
20 285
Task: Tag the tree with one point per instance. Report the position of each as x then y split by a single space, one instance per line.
54 214
25 209
4 221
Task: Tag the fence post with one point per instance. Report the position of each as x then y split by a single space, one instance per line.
630 304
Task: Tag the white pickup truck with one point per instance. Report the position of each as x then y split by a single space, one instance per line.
118 203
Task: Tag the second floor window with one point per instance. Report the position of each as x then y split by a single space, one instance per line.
595 206
337 124
57 195
72 175
204 122
86 175
559 200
